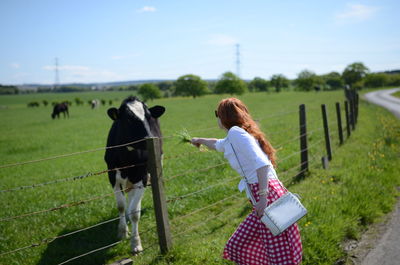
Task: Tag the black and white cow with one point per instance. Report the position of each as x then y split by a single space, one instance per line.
95 103
60 108
133 121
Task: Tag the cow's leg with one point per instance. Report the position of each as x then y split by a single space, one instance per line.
134 198
123 231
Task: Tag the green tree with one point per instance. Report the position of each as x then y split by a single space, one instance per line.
307 81
279 81
354 73
258 84
7 90
333 80
190 85
165 85
231 84
394 80
149 91
132 87
376 80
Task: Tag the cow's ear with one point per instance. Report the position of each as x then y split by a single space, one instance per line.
157 111
113 113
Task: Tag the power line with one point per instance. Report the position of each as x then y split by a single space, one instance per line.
57 77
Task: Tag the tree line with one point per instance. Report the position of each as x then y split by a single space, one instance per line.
355 76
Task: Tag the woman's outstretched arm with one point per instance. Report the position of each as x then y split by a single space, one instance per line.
209 142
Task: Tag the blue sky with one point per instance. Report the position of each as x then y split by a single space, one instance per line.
101 41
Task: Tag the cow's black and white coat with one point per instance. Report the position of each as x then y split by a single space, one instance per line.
133 121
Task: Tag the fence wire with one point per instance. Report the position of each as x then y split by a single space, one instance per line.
194 170
202 223
126 144
200 191
70 154
203 208
51 239
89 174
67 205
104 247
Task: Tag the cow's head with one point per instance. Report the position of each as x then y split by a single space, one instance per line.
134 120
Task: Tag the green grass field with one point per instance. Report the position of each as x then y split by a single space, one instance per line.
357 189
397 94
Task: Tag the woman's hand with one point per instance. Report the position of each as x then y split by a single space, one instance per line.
260 206
196 142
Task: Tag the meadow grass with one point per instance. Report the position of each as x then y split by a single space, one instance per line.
357 188
396 94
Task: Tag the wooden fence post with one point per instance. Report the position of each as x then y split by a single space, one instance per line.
157 186
352 114
303 142
326 130
356 100
339 121
346 105
325 162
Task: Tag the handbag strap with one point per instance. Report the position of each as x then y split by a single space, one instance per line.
253 200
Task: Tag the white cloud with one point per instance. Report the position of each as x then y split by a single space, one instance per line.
147 9
222 40
356 13
15 65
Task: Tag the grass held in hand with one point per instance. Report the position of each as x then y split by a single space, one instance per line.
185 137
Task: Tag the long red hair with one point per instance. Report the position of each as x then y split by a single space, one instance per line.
233 112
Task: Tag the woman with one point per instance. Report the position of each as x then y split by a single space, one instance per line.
253 157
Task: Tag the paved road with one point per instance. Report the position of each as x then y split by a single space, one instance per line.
387 249
384 99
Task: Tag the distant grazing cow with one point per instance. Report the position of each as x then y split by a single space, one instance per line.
60 108
33 104
133 121
95 103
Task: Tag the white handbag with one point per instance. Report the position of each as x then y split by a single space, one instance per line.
280 214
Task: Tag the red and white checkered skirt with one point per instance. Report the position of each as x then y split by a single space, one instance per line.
253 243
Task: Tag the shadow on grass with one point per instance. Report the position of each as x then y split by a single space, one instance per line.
63 249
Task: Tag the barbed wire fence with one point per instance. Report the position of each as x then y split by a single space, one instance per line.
158 180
